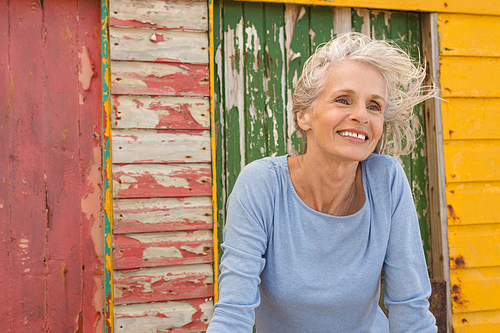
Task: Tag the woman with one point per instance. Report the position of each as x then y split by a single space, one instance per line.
307 236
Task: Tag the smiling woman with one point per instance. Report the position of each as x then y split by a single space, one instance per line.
308 236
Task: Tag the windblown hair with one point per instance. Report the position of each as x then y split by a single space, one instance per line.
404 81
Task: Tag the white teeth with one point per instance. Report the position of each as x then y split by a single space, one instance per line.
353 135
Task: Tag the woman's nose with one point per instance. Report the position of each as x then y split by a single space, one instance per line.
359 113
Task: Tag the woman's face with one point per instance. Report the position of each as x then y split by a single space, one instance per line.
348 117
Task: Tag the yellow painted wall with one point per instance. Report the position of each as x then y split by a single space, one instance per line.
470 84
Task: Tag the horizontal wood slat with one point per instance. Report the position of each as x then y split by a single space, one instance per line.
469 35
470 77
474 245
476 322
475 289
469 161
155 180
161 112
471 118
191 315
162 249
163 283
473 203
169 79
161 46
159 14
151 146
161 214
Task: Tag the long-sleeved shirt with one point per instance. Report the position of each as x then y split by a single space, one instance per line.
290 268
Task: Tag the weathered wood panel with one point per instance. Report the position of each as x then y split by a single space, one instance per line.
157 14
160 112
155 180
182 316
170 79
474 245
162 214
469 35
164 283
470 77
162 249
159 46
468 161
160 146
471 118
476 322
475 289
473 203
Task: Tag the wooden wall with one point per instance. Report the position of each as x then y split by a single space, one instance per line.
470 83
162 243
51 245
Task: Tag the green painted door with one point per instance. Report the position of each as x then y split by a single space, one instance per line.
260 49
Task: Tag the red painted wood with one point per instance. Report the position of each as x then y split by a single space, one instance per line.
28 228
140 182
154 288
116 22
5 169
131 253
193 83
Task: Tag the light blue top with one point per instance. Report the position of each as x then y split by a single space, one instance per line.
291 269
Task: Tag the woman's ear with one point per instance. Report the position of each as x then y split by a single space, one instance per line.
303 118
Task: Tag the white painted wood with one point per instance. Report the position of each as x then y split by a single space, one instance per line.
158 45
160 14
365 14
158 317
150 146
160 112
342 20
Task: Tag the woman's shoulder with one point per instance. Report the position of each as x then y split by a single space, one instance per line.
379 163
264 167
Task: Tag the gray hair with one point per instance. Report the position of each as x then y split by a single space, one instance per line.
404 80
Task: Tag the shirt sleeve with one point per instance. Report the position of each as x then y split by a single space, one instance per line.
249 217
407 285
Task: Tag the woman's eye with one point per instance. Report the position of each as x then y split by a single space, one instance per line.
374 107
342 101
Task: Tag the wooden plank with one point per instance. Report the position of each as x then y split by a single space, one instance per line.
160 146
487 7
162 112
28 204
190 315
476 322
158 214
474 245
470 77
168 15
475 289
155 180
473 203
321 25
170 79
469 161
160 46
471 118
342 21
162 249
360 21
469 35
164 283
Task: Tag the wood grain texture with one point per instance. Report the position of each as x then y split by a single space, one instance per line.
159 46
160 112
476 322
164 283
160 146
473 203
156 180
162 214
474 245
471 118
470 77
475 289
472 161
469 35
162 249
191 315
169 79
168 15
